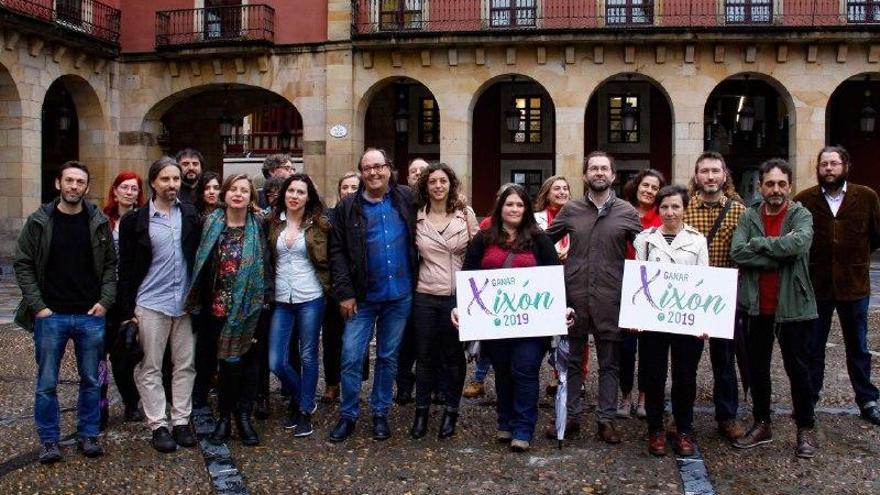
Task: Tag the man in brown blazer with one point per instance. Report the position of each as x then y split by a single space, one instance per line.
599 225
846 222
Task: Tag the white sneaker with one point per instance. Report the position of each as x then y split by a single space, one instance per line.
624 407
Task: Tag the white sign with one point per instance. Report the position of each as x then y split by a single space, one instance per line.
511 302
683 299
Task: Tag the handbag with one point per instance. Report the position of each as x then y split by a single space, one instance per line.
129 342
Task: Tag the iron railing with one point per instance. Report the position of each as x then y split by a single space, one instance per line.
85 16
378 17
215 25
262 143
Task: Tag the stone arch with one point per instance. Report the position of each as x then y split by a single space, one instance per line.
656 125
843 115
17 177
762 147
93 126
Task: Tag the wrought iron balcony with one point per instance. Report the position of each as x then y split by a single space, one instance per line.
228 25
263 143
409 17
88 17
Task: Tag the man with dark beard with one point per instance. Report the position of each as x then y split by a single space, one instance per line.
190 162
599 225
846 221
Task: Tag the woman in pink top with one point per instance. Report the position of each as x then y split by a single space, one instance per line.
444 227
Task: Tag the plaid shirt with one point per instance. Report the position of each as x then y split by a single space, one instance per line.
701 216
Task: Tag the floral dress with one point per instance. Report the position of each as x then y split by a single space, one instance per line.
228 256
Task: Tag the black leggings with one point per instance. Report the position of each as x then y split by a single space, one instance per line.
437 346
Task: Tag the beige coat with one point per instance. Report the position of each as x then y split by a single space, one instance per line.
441 255
688 247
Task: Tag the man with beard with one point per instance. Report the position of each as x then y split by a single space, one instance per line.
714 210
157 246
846 219
65 265
771 246
190 162
599 225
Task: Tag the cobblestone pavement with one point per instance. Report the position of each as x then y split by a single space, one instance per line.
470 462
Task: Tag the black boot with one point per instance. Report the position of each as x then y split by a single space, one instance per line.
447 424
420 423
246 429
261 407
222 429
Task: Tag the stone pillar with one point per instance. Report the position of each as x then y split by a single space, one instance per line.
455 135
339 18
341 153
570 146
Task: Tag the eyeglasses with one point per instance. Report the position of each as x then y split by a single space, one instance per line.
129 188
369 169
830 164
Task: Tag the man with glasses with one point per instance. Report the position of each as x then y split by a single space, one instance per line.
373 260
846 221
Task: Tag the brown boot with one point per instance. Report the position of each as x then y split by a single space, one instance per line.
572 430
806 443
730 429
608 433
759 434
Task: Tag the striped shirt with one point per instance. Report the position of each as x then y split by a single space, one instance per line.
701 216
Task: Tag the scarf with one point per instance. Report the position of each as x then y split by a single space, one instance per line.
552 210
248 290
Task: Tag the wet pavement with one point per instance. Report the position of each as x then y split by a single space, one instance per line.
470 462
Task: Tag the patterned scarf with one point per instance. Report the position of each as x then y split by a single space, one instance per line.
248 290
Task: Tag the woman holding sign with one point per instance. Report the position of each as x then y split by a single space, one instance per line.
513 240
444 226
679 243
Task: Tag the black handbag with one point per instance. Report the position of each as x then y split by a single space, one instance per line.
129 342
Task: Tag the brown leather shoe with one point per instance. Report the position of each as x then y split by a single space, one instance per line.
731 429
657 443
331 394
572 430
806 443
759 434
684 445
608 433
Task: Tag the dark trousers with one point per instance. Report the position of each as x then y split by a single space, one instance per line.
517 363
205 360
608 352
438 349
686 350
262 349
331 341
853 317
123 369
238 377
794 343
725 393
630 348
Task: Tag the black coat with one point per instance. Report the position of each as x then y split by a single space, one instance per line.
136 251
348 242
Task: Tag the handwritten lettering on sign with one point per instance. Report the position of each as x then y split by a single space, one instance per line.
508 303
684 299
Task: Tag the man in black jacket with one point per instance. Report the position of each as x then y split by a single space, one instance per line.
373 261
157 246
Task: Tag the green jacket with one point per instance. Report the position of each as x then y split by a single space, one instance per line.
753 252
32 254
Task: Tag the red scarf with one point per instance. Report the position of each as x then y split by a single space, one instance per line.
552 210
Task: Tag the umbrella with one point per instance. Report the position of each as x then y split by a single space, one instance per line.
561 363
742 356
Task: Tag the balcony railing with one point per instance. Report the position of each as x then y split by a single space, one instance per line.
394 17
238 24
261 143
85 16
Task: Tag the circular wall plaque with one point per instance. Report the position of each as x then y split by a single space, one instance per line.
338 131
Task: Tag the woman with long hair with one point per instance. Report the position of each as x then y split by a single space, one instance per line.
232 281
641 192
207 197
444 227
513 240
298 245
331 334
126 193
672 242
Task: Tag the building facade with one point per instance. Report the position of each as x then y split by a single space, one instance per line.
502 90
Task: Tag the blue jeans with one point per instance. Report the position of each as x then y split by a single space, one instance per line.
300 321
50 338
517 363
482 369
854 326
389 319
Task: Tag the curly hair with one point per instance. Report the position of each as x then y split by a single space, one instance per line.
631 188
453 199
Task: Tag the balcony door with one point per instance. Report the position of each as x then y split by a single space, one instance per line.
748 11
222 19
863 11
629 11
512 13
69 12
400 15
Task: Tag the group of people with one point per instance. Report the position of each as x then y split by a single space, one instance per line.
225 284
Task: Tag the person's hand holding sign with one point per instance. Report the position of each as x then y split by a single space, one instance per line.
570 316
454 317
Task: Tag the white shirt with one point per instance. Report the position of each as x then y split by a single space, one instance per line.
834 202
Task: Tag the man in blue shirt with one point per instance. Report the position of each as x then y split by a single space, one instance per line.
372 257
